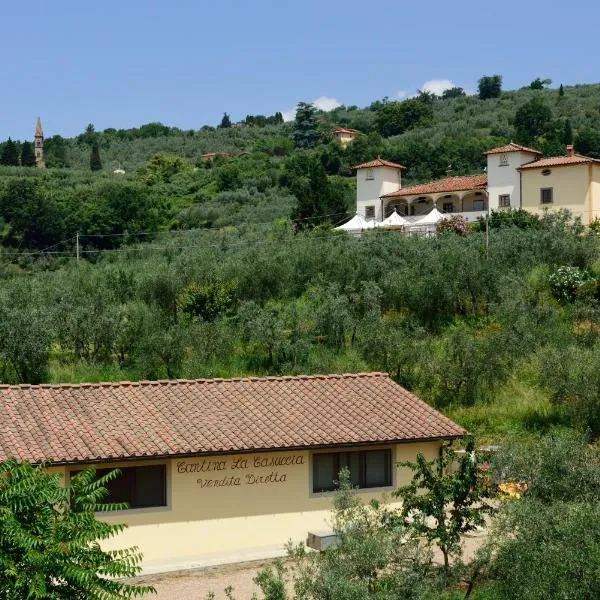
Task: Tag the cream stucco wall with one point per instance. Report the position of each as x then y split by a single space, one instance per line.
595 191
344 138
570 185
249 507
368 191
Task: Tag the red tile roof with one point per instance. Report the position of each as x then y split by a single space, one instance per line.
450 184
342 130
512 147
559 161
379 162
110 421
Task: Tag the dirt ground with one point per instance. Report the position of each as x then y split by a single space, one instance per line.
197 584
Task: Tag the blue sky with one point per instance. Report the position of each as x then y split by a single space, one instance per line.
184 62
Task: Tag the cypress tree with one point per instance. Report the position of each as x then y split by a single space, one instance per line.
561 90
95 162
568 133
225 121
10 154
27 155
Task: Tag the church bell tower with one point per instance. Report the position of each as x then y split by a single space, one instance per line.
39 145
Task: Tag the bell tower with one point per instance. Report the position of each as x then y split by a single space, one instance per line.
39 145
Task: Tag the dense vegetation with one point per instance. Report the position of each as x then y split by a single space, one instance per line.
193 266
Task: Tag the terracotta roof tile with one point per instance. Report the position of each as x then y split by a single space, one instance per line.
94 422
558 161
342 130
512 147
449 184
379 162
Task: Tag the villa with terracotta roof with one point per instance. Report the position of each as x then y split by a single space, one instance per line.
222 470
345 136
516 177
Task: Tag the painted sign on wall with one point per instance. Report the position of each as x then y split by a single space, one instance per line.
237 471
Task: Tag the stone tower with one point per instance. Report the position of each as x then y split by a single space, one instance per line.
39 145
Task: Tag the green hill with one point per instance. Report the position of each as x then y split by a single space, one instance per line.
194 268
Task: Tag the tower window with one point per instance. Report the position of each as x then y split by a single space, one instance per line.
369 174
503 160
504 200
369 212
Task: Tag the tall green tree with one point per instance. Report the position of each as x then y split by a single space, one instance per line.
27 155
50 542
95 161
10 154
305 126
490 86
532 120
55 152
394 118
225 121
587 142
568 132
561 90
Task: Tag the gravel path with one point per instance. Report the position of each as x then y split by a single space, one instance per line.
196 585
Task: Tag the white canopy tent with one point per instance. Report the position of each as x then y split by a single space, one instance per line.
431 218
394 220
356 224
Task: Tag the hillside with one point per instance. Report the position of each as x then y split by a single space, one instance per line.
192 268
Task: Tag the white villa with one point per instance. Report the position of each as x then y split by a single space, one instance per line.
516 177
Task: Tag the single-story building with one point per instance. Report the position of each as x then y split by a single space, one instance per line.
223 470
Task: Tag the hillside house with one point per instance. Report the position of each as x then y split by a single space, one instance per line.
345 136
516 177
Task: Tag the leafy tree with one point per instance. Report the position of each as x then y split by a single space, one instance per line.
540 84
161 168
587 142
394 118
305 126
50 543
206 300
568 132
27 155
546 544
225 121
533 119
10 154
454 92
55 152
446 498
32 213
89 136
490 86
370 560
95 161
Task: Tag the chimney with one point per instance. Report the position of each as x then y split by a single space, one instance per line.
570 150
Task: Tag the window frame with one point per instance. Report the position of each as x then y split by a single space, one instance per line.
369 175
391 475
122 467
547 189
502 204
445 206
503 160
368 209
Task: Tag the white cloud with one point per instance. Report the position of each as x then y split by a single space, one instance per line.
437 86
324 103
402 95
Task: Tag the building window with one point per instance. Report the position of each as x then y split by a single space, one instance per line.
546 196
478 205
503 160
546 172
139 487
447 207
504 200
369 212
369 174
368 469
